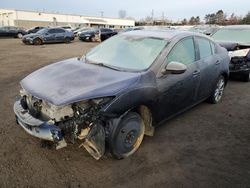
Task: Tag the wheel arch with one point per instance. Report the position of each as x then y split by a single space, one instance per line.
39 39
141 102
145 112
226 76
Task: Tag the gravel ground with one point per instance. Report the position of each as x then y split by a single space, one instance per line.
207 146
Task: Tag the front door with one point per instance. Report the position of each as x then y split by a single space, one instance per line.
179 91
50 36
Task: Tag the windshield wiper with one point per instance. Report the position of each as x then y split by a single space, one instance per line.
103 65
106 65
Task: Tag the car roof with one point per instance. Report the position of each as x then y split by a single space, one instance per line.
163 34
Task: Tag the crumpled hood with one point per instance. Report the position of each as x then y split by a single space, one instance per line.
73 80
231 46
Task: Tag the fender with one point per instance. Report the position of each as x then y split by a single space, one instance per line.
144 92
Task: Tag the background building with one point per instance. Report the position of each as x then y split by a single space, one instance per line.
28 19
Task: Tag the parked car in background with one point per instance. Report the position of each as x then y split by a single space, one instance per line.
49 35
132 29
236 39
78 31
76 28
69 28
205 29
121 89
34 29
11 31
94 35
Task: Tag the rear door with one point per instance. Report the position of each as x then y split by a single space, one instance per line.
179 91
59 34
209 66
3 31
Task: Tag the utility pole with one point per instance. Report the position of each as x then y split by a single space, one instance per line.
101 13
152 14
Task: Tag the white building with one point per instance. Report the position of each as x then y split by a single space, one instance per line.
28 19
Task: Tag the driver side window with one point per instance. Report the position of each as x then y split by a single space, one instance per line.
182 52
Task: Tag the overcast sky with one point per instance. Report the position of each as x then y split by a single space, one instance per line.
172 9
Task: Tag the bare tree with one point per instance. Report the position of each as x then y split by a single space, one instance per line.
122 13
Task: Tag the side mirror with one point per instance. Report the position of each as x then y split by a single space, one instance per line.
174 68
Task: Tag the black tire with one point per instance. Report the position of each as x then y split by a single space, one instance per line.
218 91
126 136
67 40
246 77
37 41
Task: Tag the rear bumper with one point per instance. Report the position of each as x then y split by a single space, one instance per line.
35 127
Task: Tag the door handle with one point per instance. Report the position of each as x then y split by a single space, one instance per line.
217 62
196 73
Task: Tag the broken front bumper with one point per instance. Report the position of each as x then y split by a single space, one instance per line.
35 127
93 142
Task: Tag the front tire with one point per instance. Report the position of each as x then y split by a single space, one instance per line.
92 39
37 41
127 136
19 35
218 91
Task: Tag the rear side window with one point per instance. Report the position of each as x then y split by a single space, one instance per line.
56 31
51 31
60 31
204 47
183 52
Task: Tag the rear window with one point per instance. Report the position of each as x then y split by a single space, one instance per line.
232 35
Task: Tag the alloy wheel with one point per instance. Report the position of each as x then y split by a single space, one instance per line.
219 90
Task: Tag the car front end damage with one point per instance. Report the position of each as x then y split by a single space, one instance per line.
27 40
64 124
240 61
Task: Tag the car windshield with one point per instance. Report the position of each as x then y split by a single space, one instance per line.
42 31
127 52
232 35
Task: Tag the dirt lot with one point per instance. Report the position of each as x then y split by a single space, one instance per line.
208 146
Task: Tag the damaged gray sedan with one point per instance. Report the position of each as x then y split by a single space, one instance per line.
109 99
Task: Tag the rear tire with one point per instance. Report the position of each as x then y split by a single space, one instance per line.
246 77
126 136
37 41
218 91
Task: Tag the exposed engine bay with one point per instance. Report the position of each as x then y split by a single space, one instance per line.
80 121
